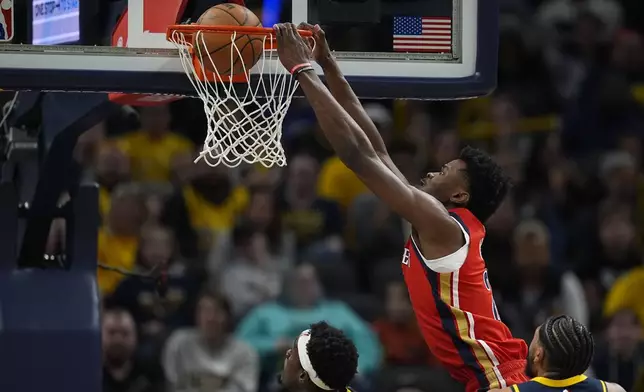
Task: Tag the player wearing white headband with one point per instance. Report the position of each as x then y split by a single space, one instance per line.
322 358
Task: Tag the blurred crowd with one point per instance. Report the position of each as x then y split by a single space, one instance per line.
254 255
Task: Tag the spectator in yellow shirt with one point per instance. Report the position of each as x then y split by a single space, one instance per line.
154 148
336 182
207 205
626 294
118 240
112 169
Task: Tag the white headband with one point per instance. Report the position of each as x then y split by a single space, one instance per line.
302 343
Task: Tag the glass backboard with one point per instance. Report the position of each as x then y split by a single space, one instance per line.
410 49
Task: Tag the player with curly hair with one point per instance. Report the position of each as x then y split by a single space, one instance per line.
560 353
322 358
442 264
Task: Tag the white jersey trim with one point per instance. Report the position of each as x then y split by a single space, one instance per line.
488 350
450 263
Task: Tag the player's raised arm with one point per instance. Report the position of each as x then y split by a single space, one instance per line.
343 93
353 147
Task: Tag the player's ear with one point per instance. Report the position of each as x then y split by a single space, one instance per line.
303 377
538 355
460 198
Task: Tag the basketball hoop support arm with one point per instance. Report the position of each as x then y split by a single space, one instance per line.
45 308
65 116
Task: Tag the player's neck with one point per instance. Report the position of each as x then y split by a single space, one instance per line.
548 375
451 206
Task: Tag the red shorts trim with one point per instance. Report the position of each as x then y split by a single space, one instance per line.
512 372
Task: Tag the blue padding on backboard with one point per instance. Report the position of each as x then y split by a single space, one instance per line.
50 336
49 319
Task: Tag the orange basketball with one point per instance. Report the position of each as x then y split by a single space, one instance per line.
225 57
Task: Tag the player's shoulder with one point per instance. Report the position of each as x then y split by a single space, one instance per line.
596 385
581 383
613 387
466 218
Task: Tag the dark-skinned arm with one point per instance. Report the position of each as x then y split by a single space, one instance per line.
428 216
343 93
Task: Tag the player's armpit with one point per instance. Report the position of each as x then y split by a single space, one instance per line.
346 97
386 159
426 214
343 93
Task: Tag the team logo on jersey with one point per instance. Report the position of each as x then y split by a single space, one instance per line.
486 281
405 258
6 20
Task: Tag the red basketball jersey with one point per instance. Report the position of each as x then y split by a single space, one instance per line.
457 315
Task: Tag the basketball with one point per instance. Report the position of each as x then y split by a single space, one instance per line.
225 57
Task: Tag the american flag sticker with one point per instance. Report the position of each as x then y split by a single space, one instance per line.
6 20
422 34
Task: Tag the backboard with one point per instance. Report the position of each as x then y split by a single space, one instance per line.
410 49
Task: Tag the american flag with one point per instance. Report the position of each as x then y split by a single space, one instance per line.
422 34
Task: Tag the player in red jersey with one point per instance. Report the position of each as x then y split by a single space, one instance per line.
442 263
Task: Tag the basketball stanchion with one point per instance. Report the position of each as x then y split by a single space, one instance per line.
246 126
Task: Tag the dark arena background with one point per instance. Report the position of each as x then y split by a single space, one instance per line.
111 234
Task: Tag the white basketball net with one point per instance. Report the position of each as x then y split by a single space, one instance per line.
242 127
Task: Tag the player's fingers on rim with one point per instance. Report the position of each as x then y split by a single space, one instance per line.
292 29
305 26
283 28
279 30
284 33
310 41
318 30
